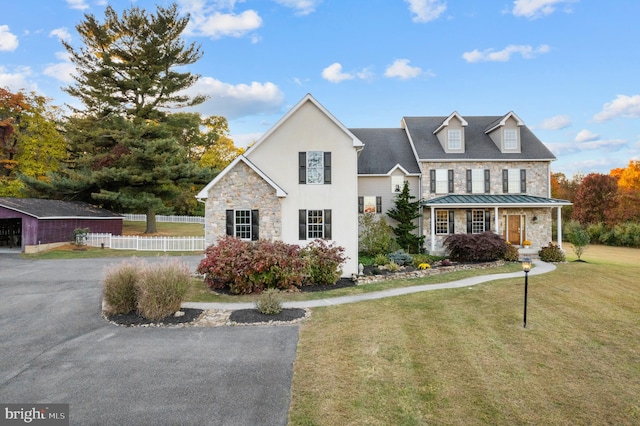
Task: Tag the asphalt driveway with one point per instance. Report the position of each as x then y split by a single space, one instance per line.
56 348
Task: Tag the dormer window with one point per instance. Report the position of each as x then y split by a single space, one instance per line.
454 139
510 139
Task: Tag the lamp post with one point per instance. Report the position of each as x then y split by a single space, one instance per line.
526 267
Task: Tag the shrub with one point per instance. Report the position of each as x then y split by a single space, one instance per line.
162 288
400 258
247 266
323 262
551 253
381 259
392 267
512 254
119 287
446 262
483 247
424 266
79 236
424 258
269 302
376 237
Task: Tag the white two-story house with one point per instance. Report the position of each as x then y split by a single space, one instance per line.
310 177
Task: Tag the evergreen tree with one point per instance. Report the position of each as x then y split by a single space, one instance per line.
405 213
124 148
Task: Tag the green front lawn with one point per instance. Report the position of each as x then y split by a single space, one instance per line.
461 356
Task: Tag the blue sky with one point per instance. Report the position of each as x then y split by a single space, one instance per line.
570 69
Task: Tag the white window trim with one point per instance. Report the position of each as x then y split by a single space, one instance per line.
457 138
397 182
439 222
477 181
315 227
318 168
513 140
514 181
237 231
442 181
477 226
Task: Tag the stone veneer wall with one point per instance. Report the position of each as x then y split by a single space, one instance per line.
539 233
242 188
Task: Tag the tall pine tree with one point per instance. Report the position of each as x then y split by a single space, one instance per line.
124 151
405 213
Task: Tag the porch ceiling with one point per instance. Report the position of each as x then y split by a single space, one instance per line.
494 200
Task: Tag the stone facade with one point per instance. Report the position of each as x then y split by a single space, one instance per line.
537 231
242 188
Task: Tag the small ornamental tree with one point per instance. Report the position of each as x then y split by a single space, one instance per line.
405 213
578 237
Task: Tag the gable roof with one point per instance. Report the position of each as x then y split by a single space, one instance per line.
307 98
204 193
384 150
445 123
502 120
478 144
56 209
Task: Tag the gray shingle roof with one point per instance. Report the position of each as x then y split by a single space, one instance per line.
383 150
478 145
43 209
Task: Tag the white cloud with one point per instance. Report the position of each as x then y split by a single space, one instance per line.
243 140
62 33
240 100
62 71
621 106
490 55
334 73
401 69
78 4
610 145
302 7
556 122
17 80
219 25
586 136
8 40
533 9
426 10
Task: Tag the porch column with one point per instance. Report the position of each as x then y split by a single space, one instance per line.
560 228
496 221
432 225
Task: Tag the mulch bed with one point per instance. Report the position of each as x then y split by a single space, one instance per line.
252 316
132 319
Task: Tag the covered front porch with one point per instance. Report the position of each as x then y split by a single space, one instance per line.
520 219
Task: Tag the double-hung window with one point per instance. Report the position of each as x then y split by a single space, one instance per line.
478 221
478 181
369 204
243 224
314 224
510 139
314 167
397 184
514 181
454 139
441 181
444 222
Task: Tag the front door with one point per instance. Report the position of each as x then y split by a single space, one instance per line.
515 229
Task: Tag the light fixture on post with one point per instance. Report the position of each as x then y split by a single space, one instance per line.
526 267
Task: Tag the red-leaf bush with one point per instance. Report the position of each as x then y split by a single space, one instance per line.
484 247
247 267
323 262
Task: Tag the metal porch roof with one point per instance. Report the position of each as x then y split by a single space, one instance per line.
494 200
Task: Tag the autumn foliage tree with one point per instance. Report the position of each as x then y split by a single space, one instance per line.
30 143
627 208
595 198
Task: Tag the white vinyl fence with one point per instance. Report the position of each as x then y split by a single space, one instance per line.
172 219
128 242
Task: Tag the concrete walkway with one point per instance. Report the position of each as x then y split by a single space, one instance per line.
539 268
